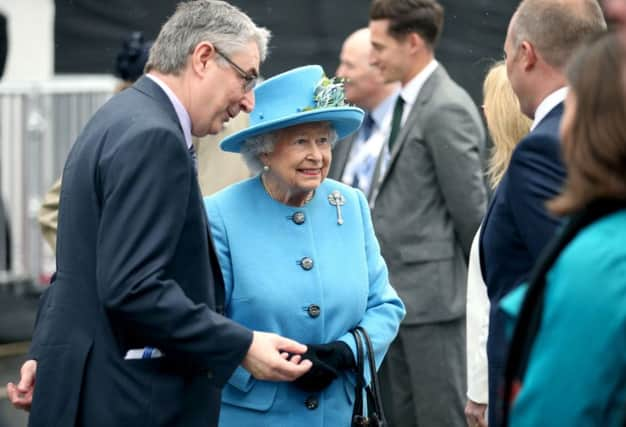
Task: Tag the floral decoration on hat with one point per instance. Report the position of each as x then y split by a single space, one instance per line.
329 93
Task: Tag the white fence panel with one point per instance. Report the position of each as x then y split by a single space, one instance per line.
39 121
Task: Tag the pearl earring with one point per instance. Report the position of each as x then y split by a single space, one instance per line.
266 168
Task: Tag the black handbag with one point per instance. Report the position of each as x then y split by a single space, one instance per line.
373 416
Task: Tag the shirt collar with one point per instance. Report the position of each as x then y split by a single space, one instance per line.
181 112
548 103
380 112
411 90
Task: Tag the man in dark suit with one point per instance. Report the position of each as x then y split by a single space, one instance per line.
541 37
130 331
354 159
428 198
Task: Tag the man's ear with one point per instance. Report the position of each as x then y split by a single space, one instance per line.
529 55
202 54
415 42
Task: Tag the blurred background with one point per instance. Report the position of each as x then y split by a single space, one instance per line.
56 61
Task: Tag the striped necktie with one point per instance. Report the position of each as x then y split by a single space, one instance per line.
194 157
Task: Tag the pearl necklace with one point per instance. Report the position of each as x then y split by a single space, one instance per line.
269 192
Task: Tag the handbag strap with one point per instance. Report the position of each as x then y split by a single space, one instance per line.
374 382
358 417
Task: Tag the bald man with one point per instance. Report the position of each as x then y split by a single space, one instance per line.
518 226
354 159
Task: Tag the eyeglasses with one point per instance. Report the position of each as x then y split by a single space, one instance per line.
250 79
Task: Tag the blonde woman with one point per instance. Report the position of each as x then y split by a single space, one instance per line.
505 121
507 125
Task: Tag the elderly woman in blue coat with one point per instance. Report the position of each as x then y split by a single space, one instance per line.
299 255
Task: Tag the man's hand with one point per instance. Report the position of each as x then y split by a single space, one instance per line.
475 414
21 395
268 358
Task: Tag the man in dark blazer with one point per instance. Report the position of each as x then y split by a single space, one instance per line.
354 159
541 37
130 331
428 199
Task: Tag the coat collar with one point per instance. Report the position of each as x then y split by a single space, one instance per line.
149 88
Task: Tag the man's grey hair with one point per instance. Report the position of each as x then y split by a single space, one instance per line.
556 28
225 26
253 147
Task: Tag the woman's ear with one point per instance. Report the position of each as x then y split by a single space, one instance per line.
265 160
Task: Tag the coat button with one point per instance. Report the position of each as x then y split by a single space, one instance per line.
298 218
314 310
311 402
306 263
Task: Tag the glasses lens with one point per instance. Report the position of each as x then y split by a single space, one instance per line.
250 79
250 83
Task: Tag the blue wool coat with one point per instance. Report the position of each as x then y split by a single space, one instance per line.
269 287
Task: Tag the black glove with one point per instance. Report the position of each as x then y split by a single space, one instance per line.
328 361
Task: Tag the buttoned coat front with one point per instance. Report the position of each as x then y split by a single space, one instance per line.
306 277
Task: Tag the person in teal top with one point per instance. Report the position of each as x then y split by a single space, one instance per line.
299 255
567 360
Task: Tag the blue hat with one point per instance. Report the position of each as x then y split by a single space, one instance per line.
301 95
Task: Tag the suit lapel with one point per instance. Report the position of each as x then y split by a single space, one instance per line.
341 154
148 87
411 122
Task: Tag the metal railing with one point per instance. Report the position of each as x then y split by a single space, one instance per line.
38 123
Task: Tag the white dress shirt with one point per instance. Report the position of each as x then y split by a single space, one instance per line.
364 152
548 103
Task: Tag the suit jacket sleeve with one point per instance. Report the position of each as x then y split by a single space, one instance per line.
535 176
145 195
454 138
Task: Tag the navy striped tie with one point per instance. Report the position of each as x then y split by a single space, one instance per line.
194 157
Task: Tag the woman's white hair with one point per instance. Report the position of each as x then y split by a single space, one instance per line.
253 147
218 22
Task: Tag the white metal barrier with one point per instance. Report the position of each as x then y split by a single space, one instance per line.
39 121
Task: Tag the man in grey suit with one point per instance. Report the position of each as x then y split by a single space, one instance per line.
354 160
428 198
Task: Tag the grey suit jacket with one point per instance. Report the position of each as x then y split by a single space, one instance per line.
429 202
341 154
